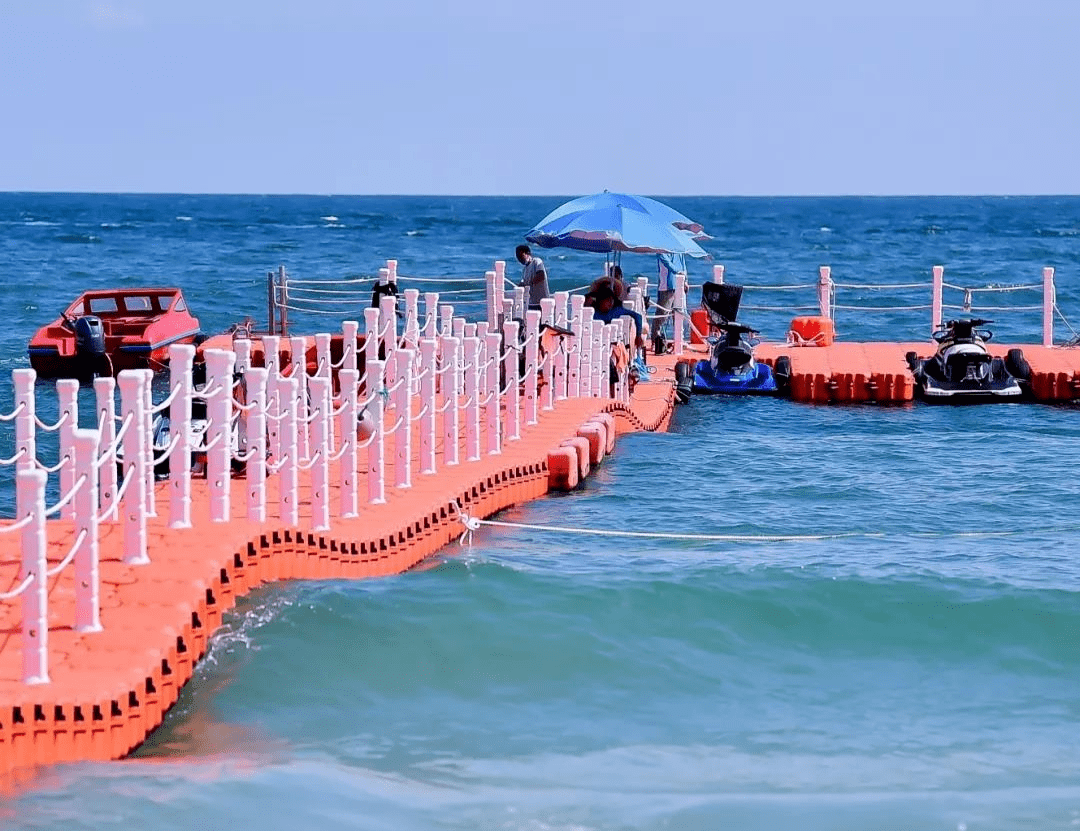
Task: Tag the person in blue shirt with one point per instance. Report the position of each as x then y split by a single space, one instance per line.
669 268
607 307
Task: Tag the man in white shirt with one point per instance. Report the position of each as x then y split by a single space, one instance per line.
533 276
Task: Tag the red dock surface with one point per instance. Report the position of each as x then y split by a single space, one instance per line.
108 690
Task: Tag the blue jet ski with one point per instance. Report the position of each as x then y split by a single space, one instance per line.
731 368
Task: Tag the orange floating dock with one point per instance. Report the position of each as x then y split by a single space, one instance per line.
876 372
108 690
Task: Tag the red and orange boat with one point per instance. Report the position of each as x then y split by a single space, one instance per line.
109 330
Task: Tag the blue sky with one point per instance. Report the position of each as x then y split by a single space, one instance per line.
504 97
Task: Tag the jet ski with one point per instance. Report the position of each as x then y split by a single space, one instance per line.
962 371
731 368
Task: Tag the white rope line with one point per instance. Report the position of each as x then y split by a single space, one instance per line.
310 463
50 427
25 584
333 457
319 292
279 417
448 403
14 413
52 572
800 287
20 453
885 287
205 393
422 413
1032 287
67 499
881 308
368 440
311 418
245 457
208 446
173 442
474 523
55 468
393 429
991 308
244 407
336 313
349 282
172 397
414 278
17 526
395 387
274 467
345 352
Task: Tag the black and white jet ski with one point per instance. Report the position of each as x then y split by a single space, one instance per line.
962 371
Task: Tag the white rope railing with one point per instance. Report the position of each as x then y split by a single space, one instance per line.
53 468
18 455
14 413
64 563
51 427
63 503
164 405
17 526
111 451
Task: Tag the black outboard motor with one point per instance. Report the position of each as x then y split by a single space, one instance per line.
90 345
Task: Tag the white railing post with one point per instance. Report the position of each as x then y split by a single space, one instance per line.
324 369
493 393
451 385
105 396
532 357
30 501
371 336
519 303
349 379
411 330
219 380
573 381
25 426
1049 301
547 311
446 320
242 348
288 485
86 524
350 331
824 291
493 297
512 373
376 455
679 314
603 358
428 369
298 362
403 419
148 445
472 399
430 328
320 454
133 504
67 392
561 298
718 274
256 444
935 306
181 360
271 353
499 294
389 341
585 346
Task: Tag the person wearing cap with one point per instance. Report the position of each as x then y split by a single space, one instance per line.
607 307
534 277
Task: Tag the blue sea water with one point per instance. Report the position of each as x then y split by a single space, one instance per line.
917 670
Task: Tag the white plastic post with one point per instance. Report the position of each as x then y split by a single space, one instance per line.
678 316
573 378
274 401
219 375
133 504
30 501
320 454
25 426
493 394
431 314
391 272
603 358
472 402
376 455
824 291
547 311
561 299
350 416
350 330
935 307
519 303
446 320
181 359
256 444
585 348
718 274
494 297
470 330
458 328
389 341
242 348
86 523
411 333
512 373
532 355
500 294
67 393
288 507
371 337
403 419
452 385
324 369
298 362
1049 301
104 394
428 346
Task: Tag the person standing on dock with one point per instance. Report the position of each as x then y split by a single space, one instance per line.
670 267
533 276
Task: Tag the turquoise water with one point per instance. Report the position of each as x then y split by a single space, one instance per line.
916 668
